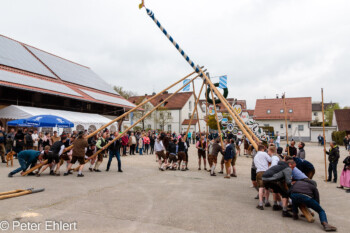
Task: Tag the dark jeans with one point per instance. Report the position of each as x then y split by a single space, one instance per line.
332 167
132 149
146 148
24 164
124 150
117 155
310 203
152 149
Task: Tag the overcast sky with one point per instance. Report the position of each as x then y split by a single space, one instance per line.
266 47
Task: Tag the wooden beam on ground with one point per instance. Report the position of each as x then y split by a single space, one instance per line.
306 213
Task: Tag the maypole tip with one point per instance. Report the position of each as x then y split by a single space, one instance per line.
142 4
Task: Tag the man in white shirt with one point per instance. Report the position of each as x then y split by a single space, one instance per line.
261 161
159 149
35 138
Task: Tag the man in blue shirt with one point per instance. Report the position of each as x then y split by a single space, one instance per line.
26 158
296 173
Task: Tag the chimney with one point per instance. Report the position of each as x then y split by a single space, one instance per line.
153 93
277 96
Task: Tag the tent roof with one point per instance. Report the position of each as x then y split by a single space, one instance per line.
20 112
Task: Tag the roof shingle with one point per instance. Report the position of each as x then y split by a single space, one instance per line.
342 117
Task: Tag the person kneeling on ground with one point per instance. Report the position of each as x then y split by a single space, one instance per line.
26 158
276 178
305 192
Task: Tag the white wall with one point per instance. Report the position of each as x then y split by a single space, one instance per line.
318 117
292 132
315 131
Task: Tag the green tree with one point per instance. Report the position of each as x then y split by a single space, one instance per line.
139 114
328 113
162 117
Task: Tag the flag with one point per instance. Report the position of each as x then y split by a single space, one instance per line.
223 82
188 87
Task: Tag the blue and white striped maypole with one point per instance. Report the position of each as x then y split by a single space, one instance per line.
195 67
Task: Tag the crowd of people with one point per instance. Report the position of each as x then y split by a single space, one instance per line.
285 173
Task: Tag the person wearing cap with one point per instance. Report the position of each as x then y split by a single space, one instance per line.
80 145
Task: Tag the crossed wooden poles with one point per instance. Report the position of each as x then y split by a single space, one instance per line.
206 81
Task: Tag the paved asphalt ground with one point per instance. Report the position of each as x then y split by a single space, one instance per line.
144 199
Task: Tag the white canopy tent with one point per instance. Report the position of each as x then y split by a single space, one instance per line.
81 120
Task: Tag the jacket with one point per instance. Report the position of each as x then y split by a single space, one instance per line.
306 187
172 148
303 165
301 153
333 154
115 146
281 171
216 149
228 152
182 147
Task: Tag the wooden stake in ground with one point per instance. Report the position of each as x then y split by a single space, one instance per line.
324 139
115 120
217 119
285 119
152 110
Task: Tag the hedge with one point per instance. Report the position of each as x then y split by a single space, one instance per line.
338 137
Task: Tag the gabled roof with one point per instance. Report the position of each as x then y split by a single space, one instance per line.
177 101
317 107
342 117
25 67
270 109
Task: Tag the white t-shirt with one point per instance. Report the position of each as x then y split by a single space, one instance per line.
278 139
274 160
261 161
35 139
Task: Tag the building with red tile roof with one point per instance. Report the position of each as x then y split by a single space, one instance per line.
270 112
341 119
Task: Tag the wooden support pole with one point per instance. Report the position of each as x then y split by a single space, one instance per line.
195 107
13 191
189 124
306 213
324 139
217 119
115 120
147 114
220 96
206 115
285 120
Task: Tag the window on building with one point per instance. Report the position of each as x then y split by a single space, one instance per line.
289 126
266 125
290 110
169 128
190 105
281 111
189 116
268 111
282 126
169 114
315 114
161 115
149 126
301 127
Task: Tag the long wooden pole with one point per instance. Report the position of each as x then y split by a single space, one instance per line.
324 139
199 125
125 131
220 96
194 109
217 118
115 120
285 120
206 115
